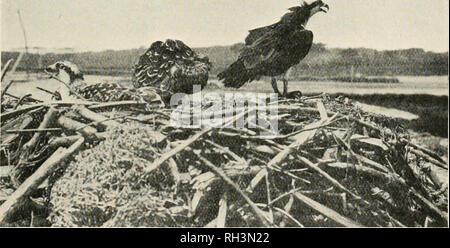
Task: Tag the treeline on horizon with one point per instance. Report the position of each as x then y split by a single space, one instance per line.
320 62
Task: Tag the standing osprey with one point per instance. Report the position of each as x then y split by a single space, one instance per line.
273 50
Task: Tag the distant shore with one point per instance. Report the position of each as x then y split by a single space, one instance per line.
350 79
320 62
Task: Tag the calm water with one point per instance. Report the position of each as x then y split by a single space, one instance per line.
435 85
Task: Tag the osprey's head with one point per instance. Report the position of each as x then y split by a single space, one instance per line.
315 7
65 70
300 15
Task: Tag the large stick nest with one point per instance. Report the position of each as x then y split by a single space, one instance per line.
331 165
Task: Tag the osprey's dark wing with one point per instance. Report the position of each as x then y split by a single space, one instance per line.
262 49
257 33
280 27
299 44
272 52
267 52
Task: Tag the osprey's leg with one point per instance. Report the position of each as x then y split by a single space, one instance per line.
294 94
275 86
285 87
285 81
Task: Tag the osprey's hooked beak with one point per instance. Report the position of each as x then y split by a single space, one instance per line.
52 70
325 8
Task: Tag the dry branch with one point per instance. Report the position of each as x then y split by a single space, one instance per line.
100 106
259 213
23 122
367 171
430 206
6 88
90 115
5 70
427 151
15 201
327 176
327 211
222 215
35 130
28 97
163 158
73 125
429 158
300 140
69 140
11 114
48 119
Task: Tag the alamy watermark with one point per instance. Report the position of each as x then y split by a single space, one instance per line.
234 110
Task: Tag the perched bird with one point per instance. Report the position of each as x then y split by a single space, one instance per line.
171 66
273 50
72 76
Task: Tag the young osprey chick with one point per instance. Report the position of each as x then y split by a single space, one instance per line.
100 92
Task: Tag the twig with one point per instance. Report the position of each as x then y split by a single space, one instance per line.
69 140
386 177
85 130
10 114
99 106
21 100
5 69
426 151
97 118
34 130
158 162
429 158
6 88
284 195
30 146
164 157
430 206
327 176
301 139
46 91
284 213
363 159
223 207
17 98
22 122
16 200
252 205
327 211
228 151
48 119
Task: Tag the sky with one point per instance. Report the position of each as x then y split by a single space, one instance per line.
95 25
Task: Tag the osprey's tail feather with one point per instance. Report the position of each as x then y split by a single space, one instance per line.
236 75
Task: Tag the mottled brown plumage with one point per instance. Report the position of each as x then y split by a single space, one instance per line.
171 66
100 92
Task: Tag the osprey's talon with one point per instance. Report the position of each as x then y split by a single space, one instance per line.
294 95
